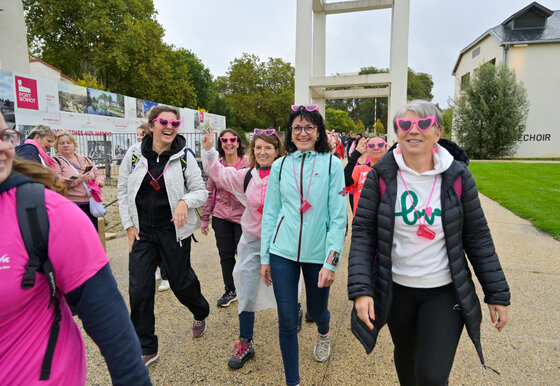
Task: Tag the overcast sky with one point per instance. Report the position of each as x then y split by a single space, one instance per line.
218 31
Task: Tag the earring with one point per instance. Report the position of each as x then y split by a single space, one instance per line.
434 149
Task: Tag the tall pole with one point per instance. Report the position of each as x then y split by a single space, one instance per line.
375 116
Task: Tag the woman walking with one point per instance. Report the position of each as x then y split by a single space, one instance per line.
418 216
226 212
249 185
303 228
159 187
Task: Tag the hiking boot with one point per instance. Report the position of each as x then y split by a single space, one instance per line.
322 349
163 286
199 328
308 318
299 320
227 298
149 359
242 352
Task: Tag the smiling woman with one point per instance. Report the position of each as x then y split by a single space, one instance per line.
418 217
304 224
225 210
157 195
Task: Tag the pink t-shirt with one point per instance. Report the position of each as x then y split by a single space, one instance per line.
25 318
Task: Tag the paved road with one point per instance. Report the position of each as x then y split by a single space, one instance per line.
526 352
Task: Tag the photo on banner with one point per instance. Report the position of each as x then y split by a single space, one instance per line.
7 98
72 98
105 103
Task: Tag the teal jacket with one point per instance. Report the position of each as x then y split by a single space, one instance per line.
310 236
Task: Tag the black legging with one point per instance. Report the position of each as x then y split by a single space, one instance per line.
227 235
425 325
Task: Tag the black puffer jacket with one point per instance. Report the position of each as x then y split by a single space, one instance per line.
466 231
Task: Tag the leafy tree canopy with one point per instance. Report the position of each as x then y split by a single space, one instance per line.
490 113
116 45
258 93
340 121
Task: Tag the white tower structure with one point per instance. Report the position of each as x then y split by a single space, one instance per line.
13 45
311 83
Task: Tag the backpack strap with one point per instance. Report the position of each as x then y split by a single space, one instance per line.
281 166
133 160
382 186
458 186
247 179
34 227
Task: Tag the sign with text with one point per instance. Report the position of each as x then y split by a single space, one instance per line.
26 93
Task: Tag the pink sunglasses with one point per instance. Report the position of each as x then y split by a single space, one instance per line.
423 124
230 139
165 122
379 145
268 132
309 108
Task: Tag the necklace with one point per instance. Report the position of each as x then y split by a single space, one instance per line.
423 230
154 182
305 205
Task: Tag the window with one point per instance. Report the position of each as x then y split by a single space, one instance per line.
492 62
465 79
475 52
530 19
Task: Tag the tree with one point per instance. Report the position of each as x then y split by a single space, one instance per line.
490 113
339 121
114 45
258 94
448 123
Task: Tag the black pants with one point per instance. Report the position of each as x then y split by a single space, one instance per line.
227 237
160 245
85 208
425 325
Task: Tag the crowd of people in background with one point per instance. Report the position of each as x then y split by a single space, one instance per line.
279 215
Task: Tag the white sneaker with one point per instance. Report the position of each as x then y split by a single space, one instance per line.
158 274
322 349
163 286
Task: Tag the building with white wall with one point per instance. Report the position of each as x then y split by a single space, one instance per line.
528 42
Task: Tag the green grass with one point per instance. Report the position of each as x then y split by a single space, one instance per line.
531 191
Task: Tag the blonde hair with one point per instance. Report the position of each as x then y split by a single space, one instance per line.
42 131
40 174
65 134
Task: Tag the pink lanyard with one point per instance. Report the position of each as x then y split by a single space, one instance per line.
427 208
310 178
162 173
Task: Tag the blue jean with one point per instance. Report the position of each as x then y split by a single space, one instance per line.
246 323
285 277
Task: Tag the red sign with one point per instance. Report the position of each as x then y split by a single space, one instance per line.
201 116
26 93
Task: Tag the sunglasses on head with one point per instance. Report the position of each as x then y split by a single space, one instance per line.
165 122
229 139
309 108
423 124
268 132
379 145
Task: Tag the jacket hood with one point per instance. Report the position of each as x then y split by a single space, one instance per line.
177 146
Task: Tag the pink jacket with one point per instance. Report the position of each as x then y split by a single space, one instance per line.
221 202
232 180
76 191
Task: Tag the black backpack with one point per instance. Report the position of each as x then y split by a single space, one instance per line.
34 228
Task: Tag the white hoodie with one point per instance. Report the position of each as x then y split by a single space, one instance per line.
419 262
